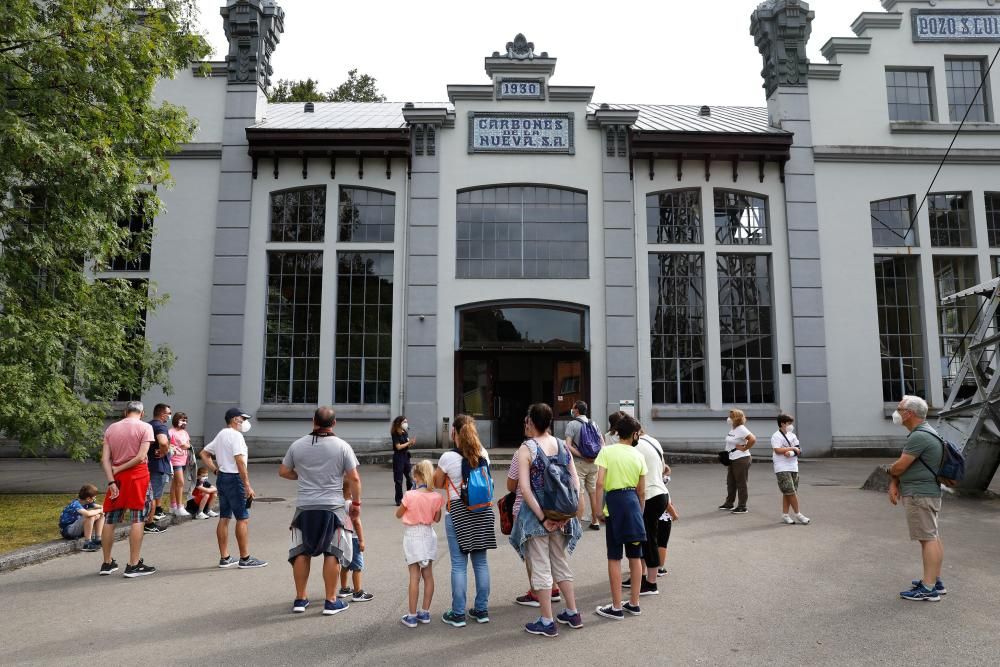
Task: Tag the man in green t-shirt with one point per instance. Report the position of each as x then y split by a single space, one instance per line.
914 481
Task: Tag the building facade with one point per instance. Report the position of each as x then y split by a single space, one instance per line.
522 242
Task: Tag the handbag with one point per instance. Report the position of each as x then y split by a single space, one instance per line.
505 507
724 457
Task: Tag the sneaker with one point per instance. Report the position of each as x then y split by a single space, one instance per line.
938 586
90 545
331 607
528 600
648 589
140 569
539 628
632 609
159 514
740 510
153 529
108 568
211 513
250 562
627 583
787 519
480 616
409 621
607 611
228 561
201 515
595 526
299 606
424 617
180 511
661 572
345 592
556 595
572 620
361 596
727 508
920 594
453 619
801 518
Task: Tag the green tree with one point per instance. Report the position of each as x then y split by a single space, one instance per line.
82 147
356 89
296 91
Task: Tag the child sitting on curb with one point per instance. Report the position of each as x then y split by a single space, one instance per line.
83 518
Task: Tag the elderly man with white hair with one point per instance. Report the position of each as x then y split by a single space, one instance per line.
914 480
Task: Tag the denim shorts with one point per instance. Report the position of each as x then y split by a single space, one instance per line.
358 560
157 482
232 496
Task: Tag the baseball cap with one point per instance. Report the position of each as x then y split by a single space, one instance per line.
231 413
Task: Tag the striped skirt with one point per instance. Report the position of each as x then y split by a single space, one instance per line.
474 530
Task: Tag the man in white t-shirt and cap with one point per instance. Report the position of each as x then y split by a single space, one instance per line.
785 454
233 483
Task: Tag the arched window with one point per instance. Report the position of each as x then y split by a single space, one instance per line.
298 215
674 216
366 215
522 231
741 218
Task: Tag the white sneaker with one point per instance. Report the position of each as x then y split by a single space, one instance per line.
180 511
787 519
211 513
801 518
201 515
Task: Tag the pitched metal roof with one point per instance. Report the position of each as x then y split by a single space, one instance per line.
389 116
686 118
340 115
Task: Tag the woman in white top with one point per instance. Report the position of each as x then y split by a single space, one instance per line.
739 440
469 534
656 504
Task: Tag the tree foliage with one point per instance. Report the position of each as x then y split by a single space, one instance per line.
356 88
82 147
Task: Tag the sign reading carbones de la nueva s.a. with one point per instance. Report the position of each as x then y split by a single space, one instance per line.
514 132
955 25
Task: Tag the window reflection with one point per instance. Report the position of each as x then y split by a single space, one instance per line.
521 327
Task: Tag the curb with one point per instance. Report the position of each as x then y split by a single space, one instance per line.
38 553
385 457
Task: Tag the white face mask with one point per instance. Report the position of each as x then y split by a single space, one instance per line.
406 426
897 418
729 420
245 426
789 428
613 438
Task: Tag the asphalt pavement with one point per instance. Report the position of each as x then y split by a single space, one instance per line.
744 590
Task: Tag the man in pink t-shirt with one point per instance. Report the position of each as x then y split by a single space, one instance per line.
123 458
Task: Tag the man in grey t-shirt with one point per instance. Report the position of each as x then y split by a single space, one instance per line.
913 480
327 472
585 468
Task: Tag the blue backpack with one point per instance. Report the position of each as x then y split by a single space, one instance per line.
477 485
590 440
559 497
952 469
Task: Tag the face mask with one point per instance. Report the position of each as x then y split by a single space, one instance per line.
729 420
182 424
789 428
614 438
897 418
245 427
406 426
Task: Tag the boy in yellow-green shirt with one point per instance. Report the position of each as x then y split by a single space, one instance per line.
621 481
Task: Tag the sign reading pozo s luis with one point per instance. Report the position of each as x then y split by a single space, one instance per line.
513 132
962 25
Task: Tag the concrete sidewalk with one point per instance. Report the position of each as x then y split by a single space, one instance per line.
742 590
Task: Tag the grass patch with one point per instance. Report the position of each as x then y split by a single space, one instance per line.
30 518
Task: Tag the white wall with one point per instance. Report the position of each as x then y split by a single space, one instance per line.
203 97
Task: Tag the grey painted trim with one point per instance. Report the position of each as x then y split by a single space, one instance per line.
276 411
681 412
571 93
875 21
215 68
838 45
441 116
469 92
896 154
824 71
198 151
615 116
924 127
504 65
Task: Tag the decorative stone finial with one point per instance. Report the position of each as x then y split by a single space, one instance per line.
253 28
781 30
520 48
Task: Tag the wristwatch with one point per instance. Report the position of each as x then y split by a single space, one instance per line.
114 481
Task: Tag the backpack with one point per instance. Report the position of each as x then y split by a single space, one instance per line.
505 507
590 440
559 497
477 484
952 468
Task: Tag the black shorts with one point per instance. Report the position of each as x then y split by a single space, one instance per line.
632 549
663 534
651 513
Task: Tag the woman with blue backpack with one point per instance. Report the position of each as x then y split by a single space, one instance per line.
464 472
546 529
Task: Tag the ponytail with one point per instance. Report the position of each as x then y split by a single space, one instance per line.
467 439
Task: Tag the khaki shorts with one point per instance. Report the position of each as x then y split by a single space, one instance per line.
788 482
545 556
922 517
587 472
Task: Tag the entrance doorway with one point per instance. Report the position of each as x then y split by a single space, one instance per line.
511 356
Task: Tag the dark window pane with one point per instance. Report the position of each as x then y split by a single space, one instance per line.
897 294
909 95
511 327
298 215
676 307
740 219
364 323
964 78
747 345
957 319
674 217
950 222
366 215
892 222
